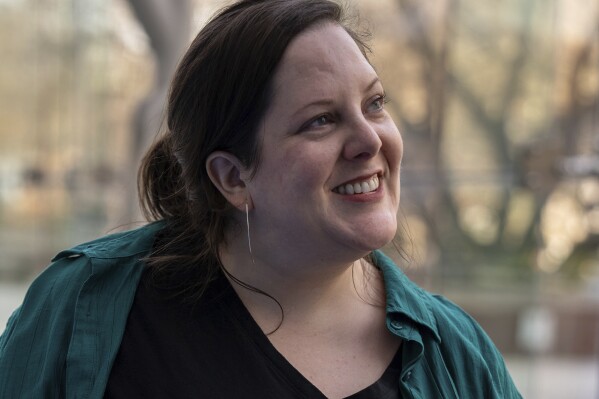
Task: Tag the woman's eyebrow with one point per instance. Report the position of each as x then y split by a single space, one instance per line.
324 101
371 84
328 101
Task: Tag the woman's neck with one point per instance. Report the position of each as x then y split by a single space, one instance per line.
309 293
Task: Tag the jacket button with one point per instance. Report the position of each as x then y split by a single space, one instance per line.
408 376
396 324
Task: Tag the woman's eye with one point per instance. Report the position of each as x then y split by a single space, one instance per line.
378 104
320 121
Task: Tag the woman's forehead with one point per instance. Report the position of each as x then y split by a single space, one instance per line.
319 54
321 45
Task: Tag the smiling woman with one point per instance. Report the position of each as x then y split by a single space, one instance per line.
324 130
274 186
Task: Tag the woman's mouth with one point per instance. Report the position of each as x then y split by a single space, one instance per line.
358 187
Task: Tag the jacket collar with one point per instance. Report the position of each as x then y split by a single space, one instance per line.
404 298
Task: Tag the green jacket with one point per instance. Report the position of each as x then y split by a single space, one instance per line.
62 341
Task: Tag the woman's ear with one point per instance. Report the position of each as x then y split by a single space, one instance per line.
227 174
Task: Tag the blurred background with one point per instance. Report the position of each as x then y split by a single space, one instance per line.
497 101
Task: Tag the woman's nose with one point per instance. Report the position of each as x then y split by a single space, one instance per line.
363 140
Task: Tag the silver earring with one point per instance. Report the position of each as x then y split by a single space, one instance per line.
247 222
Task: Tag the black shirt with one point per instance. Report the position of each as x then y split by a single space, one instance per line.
213 349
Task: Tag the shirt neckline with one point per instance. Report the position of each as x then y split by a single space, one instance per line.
294 378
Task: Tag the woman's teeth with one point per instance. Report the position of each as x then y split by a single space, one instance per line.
364 187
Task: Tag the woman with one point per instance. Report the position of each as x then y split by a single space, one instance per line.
277 180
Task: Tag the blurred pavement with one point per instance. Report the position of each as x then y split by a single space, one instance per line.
555 378
11 296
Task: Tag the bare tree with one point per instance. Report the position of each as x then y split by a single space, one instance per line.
531 167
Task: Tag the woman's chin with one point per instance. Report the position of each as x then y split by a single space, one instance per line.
371 241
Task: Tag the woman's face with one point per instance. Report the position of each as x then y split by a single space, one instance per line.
327 185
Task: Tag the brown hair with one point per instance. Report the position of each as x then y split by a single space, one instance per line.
219 94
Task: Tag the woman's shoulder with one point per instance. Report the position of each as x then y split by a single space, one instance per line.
116 245
452 341
83 296
447 320
71 267
469 352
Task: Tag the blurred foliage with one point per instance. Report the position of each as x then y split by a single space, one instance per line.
498 103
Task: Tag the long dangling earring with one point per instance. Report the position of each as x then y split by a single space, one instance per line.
247 222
